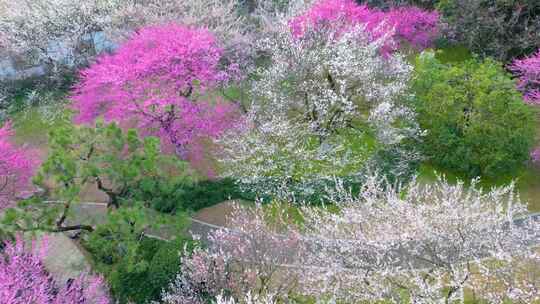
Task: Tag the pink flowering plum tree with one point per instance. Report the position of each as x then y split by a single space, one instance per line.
156 81
244 260
417 27
16 167
535 155
528 72
24 279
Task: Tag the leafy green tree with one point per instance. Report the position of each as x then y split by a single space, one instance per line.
476 121
103 156
136 264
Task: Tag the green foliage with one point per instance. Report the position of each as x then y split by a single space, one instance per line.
277 211
453 54
27 94
356 146
195 196
116 161
137 267
29 216
476 121
35 123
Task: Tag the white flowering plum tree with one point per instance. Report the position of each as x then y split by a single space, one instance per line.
321 108
423 244
428 243
221 17
249 299
239 262
55 32
60 33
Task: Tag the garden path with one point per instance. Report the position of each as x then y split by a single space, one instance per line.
201 227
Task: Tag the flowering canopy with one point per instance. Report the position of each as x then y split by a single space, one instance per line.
423 239
413 25
535 155
239 261
16 167
58 32
152 80
24 279
320 109
219 16
528 72
423 244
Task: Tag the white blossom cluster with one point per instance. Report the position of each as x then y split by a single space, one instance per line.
65 32
220 16
422 244
271 15
53 30
320 108
244 260
330 81
432 241
249 299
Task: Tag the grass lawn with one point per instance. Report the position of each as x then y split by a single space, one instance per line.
527 182
33 125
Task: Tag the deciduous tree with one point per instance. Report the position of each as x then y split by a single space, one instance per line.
220 17
61 33
246 259
24 279
528 72
421 243
319 109
503 30
57 32
416 27
432 241
17 166
157 82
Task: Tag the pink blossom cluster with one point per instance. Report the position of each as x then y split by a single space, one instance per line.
24 279
155 82
528 72
17 167
417 27
239 261
535 155
157 62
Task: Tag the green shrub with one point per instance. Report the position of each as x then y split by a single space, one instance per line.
476 121
171 198
161 262
137 268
